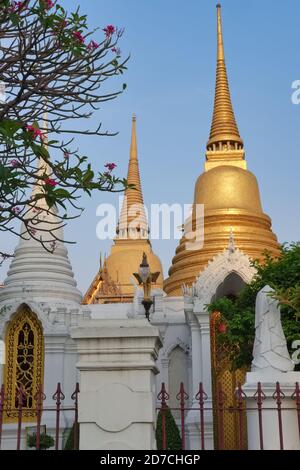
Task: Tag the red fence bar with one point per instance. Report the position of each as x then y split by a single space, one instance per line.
260 396
2 398
240 402
201 397
295 396
40 397
163 396
76 425
17 412
58 396
221 401
279 395
21 396
182 396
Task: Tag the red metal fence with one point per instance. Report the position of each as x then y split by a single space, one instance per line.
219 410
37 412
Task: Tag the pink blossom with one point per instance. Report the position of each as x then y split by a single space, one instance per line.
109 30
66 155
53 245
15 163
50 182
116 50
222 328
17 6
36 132
93 45
110 166
64 24
48 4
32 231
77 35
16 210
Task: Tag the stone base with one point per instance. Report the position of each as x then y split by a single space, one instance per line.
270 416
117 364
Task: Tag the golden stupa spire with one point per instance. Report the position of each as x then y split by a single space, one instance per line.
225 143
113 283
233 214
133 218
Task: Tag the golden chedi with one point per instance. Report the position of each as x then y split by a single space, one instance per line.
115 281
229 192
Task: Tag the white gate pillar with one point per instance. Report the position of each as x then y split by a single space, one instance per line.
199 323
117 402
270 421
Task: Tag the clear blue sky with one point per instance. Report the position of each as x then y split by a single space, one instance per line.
171 79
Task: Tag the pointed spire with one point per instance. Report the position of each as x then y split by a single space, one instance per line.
224 132
134 196
133 214
43 167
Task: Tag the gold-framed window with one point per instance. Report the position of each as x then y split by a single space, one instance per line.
24 364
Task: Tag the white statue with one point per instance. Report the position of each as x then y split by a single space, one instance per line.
270 351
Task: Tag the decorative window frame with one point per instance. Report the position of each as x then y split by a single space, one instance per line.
13 329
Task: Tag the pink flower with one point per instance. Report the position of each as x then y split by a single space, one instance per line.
222 328
109 30
50 182
15 163
53 245
36 132
17 6
66 155
93 45
116 50
110 166
16 210
77 35
64 24
48 4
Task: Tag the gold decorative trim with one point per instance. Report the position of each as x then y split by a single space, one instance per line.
24 365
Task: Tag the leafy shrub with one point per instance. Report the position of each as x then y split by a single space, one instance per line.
172 432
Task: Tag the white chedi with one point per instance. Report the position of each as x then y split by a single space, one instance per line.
270 351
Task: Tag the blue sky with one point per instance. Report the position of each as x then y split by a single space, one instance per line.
171 79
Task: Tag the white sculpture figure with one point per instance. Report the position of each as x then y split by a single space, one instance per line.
270 351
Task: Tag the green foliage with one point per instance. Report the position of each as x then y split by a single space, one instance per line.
51 61
172 432
69 445
283 275
46 441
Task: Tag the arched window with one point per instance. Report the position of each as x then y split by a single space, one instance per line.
230 287
24 365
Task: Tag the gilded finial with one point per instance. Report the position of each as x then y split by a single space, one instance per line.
133 195
224 134
144 262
